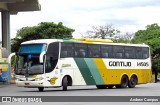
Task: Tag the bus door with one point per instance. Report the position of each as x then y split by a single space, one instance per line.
51 59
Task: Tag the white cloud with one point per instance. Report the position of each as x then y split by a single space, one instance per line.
125 15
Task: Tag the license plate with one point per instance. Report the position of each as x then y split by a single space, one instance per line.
27 84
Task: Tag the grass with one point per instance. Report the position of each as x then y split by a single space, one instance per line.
158 75
153 77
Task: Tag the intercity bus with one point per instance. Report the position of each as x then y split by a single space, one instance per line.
48 63
3 65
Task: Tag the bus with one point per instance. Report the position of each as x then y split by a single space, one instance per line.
46 63
3 65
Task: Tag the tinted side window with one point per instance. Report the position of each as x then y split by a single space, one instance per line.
51 57
130 52
94 51
118 51
139 53
145 52
106 51
80 50
66 50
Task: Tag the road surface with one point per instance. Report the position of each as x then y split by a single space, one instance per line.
151 89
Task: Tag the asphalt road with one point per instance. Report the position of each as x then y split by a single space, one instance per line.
151 89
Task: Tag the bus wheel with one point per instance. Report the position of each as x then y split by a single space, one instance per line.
40 89
124 82
101 86
64 83
132 82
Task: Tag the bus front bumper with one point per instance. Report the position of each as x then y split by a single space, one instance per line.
30 83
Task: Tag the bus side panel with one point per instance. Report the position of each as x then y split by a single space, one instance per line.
71 69
85 71
109 76
62 69
113 74
145 76
52 79
94 71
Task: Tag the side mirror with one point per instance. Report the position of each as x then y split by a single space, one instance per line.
41 56
10 56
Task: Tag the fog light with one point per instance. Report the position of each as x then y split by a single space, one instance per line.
38 79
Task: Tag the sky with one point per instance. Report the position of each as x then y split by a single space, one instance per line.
125 15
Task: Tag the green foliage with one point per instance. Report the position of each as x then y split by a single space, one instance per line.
152 31
150 36
154 46
156 65
44 30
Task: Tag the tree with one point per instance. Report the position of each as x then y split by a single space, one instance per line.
127 36
44 30
154 46
150 36
103 31
123 38
152 31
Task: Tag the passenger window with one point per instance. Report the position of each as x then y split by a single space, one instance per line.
106 51
66 50
94 51
127 55
119 55
129 52
139 53
80 50
118 51
145 51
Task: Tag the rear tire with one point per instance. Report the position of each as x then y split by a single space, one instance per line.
124 82
64 83
40 89
101 86
132 82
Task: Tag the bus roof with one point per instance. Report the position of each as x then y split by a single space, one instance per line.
48 41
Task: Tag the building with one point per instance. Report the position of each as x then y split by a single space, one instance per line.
12 7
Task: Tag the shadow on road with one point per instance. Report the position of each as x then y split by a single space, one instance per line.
77 89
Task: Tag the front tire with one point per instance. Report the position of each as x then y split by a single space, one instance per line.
64 83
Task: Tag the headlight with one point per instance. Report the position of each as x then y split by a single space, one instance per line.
38 79
17 79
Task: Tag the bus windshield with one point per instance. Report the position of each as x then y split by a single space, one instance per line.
33 66
32 48
30 65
